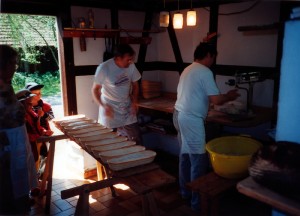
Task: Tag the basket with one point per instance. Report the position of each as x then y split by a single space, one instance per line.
230 156
151 89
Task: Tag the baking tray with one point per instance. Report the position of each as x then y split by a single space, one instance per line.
131 160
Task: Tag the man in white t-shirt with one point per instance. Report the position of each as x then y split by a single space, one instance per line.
195 91
115 89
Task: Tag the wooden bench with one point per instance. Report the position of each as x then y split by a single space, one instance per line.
211 187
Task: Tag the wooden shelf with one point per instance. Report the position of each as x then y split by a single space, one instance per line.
101 33
274 26
93 33
109 33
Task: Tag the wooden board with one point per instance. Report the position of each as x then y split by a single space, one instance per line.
104 141
86 129
92 133
99 137
252 189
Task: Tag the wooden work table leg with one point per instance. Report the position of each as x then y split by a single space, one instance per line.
149 204
47 176
82 207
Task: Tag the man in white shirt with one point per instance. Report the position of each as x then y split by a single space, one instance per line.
196 90
116 89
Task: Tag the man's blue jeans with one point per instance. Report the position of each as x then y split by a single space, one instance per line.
191 167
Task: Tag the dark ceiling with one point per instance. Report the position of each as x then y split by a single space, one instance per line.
134 5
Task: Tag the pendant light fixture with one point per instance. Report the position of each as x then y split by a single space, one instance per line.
164 18
191 16
178 19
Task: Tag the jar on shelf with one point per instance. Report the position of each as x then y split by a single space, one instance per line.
81 22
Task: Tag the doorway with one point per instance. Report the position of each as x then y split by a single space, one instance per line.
36 38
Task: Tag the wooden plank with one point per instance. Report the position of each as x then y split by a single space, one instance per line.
256 191
65 194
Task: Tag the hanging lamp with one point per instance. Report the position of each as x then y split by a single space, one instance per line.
178 19
164 18
191 16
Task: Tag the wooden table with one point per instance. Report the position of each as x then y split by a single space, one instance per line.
141 179
256 191
166 104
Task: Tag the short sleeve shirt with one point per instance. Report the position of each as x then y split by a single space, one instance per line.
116 87
195 85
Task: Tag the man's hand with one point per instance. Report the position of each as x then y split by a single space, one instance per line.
40 112
232 94
48 132
134 109
108 111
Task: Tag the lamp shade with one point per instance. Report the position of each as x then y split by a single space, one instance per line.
164 19
178 20
191 18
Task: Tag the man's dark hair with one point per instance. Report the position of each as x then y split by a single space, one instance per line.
203 49
7 53
123 49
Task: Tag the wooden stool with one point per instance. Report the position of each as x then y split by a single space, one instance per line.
211 187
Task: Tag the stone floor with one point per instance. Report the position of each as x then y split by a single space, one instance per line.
127 202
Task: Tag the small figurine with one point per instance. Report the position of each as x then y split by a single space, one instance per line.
91 18
81 22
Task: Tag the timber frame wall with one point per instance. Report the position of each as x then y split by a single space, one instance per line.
69 71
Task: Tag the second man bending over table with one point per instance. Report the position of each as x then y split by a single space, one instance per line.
115 90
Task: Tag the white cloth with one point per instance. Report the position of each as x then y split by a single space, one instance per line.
196 83
192 134
22 165
116 87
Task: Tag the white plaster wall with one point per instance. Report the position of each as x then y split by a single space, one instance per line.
94 47
256 48
234 47
262 91
169 79
85 102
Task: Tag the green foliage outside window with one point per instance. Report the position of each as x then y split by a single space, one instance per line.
51 80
